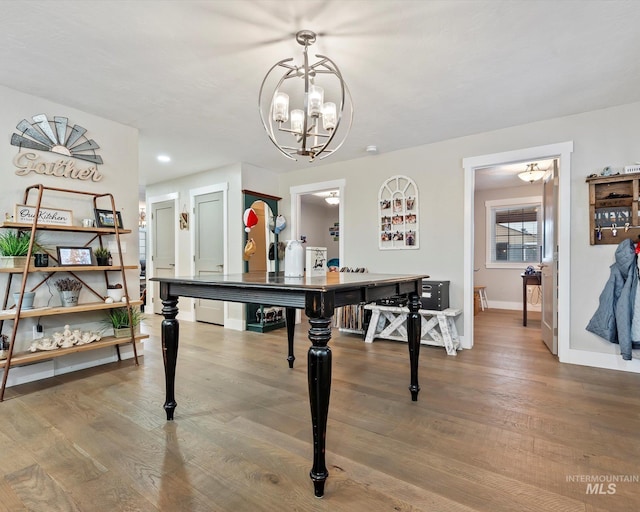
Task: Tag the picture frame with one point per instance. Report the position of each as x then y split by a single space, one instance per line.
398 216
104 219
316 261
74 256
25 214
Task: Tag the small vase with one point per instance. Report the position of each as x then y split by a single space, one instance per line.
69 298
27 299
41 260
115 293
102 262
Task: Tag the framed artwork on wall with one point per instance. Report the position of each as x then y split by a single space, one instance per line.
398 214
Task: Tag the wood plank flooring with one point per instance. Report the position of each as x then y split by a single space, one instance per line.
502 427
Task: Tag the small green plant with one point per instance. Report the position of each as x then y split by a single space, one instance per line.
16 243
118 318
67 284
101 252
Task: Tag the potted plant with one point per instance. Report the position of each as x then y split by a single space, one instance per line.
118 318
102 256
14 246
69 290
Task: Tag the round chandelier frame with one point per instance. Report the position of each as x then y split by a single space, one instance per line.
315 126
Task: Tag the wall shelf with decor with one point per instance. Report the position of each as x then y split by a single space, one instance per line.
613 208
398 219
98 235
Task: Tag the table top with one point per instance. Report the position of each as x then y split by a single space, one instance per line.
329 281
277 290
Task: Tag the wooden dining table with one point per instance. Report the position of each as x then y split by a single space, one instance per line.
318 297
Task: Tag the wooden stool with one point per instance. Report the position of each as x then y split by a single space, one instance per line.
482 293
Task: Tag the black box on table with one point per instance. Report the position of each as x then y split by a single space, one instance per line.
435 295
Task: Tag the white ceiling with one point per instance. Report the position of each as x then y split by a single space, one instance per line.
187 73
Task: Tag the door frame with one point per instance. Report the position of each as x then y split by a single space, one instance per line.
193 193
173 196
562 151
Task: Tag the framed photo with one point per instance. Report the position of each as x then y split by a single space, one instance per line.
104 219
74 256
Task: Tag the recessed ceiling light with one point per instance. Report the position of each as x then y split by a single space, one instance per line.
164 158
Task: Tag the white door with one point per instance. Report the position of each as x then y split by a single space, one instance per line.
164 247
209 251
549 260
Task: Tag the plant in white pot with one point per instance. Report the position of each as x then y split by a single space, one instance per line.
69 290
14 247
118 318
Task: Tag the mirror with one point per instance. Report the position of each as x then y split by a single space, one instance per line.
263 237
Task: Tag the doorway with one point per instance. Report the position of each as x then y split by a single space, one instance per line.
297 209
208 254
508 237
561 151
162 243
209 249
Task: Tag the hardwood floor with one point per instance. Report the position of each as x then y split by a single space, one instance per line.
502 427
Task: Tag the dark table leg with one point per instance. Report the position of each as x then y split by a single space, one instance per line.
319 309
524 301
290 315
170 332
413 340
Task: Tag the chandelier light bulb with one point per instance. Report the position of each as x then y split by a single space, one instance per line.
329 116
297 121
315 99
281 107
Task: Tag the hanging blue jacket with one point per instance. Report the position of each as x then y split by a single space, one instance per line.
612 320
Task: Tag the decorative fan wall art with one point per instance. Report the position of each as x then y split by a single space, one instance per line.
56 136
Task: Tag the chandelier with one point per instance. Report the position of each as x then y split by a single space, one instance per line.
332 198
533 173
311 128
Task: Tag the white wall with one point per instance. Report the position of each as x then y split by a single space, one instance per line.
601 138
119 150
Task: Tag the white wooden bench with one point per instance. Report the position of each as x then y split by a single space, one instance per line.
438 327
